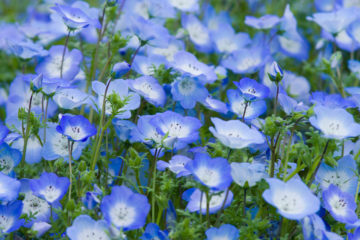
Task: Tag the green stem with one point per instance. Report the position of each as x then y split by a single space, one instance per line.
287 155
157 152
276 98
312 172
70 147
45 117
63 54
207 209
246 105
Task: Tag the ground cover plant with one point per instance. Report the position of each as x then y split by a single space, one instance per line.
179 119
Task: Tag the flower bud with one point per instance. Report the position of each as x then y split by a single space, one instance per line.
276 73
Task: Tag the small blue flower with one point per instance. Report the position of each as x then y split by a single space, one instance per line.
186 5
76 128
120 68
275 74
251 89
176 164
150 89
26 49
50 187
290 105
40 228
10 188
334 123
91 198
197 200
125 209
211 172
355 235
153 231
331 100
123 128
9 158
235 134
224 232
264 22
188 91
36 83
293 199
215 105
199 34
84 227
314 228
10 217
249 173
70 98
341 205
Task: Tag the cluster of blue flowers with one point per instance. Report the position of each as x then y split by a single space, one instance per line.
180 119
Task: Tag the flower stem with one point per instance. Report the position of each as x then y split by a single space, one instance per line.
45 117
312 172
246 105
70 148
63 54
157 151
276 98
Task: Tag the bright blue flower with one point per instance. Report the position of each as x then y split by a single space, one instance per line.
331 100
76 128
335 21
354 67
355 235
70 98
50 187
293 199
84 227
341 205
176 165
10 217
251 89
297 86
168 52
198 33
33 151
334 123
276 74
119 87
187 63
249 173
186 5
197 200
211 172
180 130
264 22
161 9
188 91
235 134
153 231
150 89
343 176
74 18
237 104
10 188
123 128
120 69
40 228
146 132
290 105
224 232
91 198
215 105
50 66
3 132
314 228
9 158
125 209
145 65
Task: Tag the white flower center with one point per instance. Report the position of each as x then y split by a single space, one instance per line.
289 202
6 164
54 66
208 176
35 205
51 193
247 63
290 45
6 222
92 234
186 86
339 205
122 215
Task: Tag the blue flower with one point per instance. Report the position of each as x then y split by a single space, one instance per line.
314 228
9 158
10 217
3 132
334 123
355 235
40 228
51 65
249 173
150 89
251 89
235 134
84 227
343 176
152 231
276 73
224 232
186 5
70 98
120 68
146 132
91 198
293 199
215 105
264 22
188 91
341 205
197 200
26 49
211 172
76 128
199 34
125 209
176 164
50 187
75 18
56 146
10 188
331 100
123 128
227 41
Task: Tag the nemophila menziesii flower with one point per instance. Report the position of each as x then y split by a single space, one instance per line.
343 176
198 33
168 52
331 100
50 66
355 235
33 151
341 205
10 217
120 68
70 98
153 231
251 89
290 105
186 5
264 22
179 130
4 131
293 199
145 65
187 63
50 187
246 60
215 105
124 209
75 18
146 132
150 89
84 227
215 173
121 88
334 123
238 103
76 128
188 90
26 49
314 228
235 134
249 173
10 188
176 164
335 21
197 200
225 232
9 158
40 228
276 73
